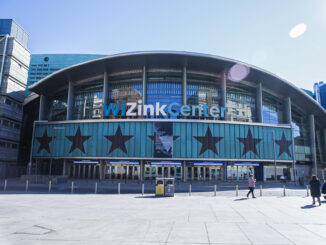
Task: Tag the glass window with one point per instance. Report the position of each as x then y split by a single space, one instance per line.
88 101
164 87
58 108
240 103
301 135
126 88
272 109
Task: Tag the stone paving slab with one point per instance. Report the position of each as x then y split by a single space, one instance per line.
135 219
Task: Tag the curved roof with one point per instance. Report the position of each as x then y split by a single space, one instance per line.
176 60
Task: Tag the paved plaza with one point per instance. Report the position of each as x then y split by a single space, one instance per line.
136 219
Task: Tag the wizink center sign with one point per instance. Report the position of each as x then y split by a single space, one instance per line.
133 109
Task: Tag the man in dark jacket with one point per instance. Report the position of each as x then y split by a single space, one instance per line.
315 189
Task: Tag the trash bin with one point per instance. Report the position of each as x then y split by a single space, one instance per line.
159 187
169 187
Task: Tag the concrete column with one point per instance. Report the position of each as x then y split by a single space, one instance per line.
142 170
64 169
259 102
184 171
287 110
42 108
144 86
101 170
70 100
313 141
184 86
105 90
223 88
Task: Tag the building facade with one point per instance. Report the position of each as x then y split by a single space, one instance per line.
14 58
42 65
190 116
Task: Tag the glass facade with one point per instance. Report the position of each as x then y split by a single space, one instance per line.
272 109
240 103
88 101
301 135
57 110
126 88
165 88
203 90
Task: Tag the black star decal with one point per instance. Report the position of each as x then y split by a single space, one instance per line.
118 140
249 143
208 142
284 145
44 142
77 141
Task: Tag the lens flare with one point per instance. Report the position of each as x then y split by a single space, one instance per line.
298 30
238 72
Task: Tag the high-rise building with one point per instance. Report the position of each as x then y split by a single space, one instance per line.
42 65
14 64
320 93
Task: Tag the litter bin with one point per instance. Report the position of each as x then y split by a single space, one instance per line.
159 187
169 187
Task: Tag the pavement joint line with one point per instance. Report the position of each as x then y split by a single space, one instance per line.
311 231
209 242
211 207
170 231
279 233
244 219
244 233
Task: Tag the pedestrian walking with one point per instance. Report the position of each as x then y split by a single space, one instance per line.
251 182
315 189
323 189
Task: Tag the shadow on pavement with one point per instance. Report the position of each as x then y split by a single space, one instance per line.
308 206
151 196
241 199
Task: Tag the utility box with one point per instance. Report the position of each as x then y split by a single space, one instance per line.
169 187
159 187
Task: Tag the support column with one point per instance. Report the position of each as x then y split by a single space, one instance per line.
64 169
287 110
313 141
101 170
184 171
142 170
259 102
223 93
70 100
42 108
105 91
184 86
144 86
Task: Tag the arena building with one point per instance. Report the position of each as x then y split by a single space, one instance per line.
194 117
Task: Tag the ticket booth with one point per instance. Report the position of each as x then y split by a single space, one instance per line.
122 170
204 171
163 169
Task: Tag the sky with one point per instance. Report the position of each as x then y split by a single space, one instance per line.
252 31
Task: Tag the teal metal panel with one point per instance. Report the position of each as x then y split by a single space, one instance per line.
142 146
